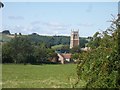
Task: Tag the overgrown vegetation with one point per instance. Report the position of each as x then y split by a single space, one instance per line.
100 67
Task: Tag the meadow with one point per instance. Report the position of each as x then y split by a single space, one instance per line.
39 76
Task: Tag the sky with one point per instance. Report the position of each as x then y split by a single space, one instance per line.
58 18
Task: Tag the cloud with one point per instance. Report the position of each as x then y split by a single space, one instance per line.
48 28
85 25
42 28
56 25
16 17
19 29
50 25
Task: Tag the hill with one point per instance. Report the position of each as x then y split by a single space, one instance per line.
48 40
5 37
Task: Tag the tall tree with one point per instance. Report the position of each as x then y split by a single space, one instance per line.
22 49
6 53
40 53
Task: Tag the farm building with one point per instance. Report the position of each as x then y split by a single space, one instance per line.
64 57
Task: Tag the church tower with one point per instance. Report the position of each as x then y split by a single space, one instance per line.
74 39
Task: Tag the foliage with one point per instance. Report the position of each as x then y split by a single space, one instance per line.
40 53
75 57
100 67
75 49
63 49
95 41
52 56
21 50
48 40
5 38
6 54
34 48
83 41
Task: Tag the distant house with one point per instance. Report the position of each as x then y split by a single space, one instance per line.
85 49
64 57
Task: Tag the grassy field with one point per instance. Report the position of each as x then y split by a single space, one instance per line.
39 76
57 46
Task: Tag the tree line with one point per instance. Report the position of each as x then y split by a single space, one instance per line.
50 40
22 50
35 49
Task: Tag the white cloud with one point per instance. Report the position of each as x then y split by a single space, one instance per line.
56 25
86 25
48 28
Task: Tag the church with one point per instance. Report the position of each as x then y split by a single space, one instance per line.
74 41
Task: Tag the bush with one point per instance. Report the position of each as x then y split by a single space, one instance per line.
100 67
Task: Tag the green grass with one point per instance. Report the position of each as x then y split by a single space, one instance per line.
57 46
38 76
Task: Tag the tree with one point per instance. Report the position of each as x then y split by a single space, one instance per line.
75 49
65 49
100 67
83 41
21 49
116 54
6 53
6 32
95 42
52 56
40 53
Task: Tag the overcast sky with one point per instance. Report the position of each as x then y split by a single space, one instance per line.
58 18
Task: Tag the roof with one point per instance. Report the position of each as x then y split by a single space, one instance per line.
66 55
62 51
